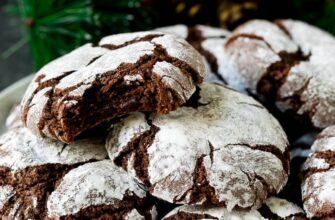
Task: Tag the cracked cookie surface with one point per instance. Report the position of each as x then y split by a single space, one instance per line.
206 40
47 179
318 187
99 190
283 65
142 71
212 150
276 208
30 168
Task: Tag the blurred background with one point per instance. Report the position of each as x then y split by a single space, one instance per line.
33 32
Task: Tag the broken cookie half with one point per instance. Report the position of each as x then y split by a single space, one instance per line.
142 71
222 148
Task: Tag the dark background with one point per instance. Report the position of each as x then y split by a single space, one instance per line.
51 31
20 63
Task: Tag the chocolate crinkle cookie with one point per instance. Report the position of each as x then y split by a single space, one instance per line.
274 208
222 148
288 63
30 168
46 179
206 40
318 187
99 190
142 71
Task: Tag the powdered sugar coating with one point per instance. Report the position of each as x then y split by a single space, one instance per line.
97 183
179 30
309 86
318 188
6 192
14 120
282 207
38 103
313 80
181 83
316 163
107 62
180 49
225 132
219 213
251 53
68 78
226 68
279 207
270 33
212 32
203 34
315 37
119 39
19 149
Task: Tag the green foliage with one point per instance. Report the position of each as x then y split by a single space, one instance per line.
55 27
327 20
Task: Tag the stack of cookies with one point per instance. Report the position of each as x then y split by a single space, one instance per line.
168 124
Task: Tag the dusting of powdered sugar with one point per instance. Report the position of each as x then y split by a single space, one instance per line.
133 78
179 30
233 124
119 39
181 83
19 149
314 83
70 76
70 62
37 105
226 68
315 37
6 192
313 80
318 193
282 207
317 163
92 184
272 34
123 132
212 32
14 118
251 58
73 61
107 62
230 175
180 49
219 213
318 188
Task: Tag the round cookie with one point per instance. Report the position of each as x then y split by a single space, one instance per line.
318 187
283 65
30 168
142 71
222 148
205 39
274 208
99 190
